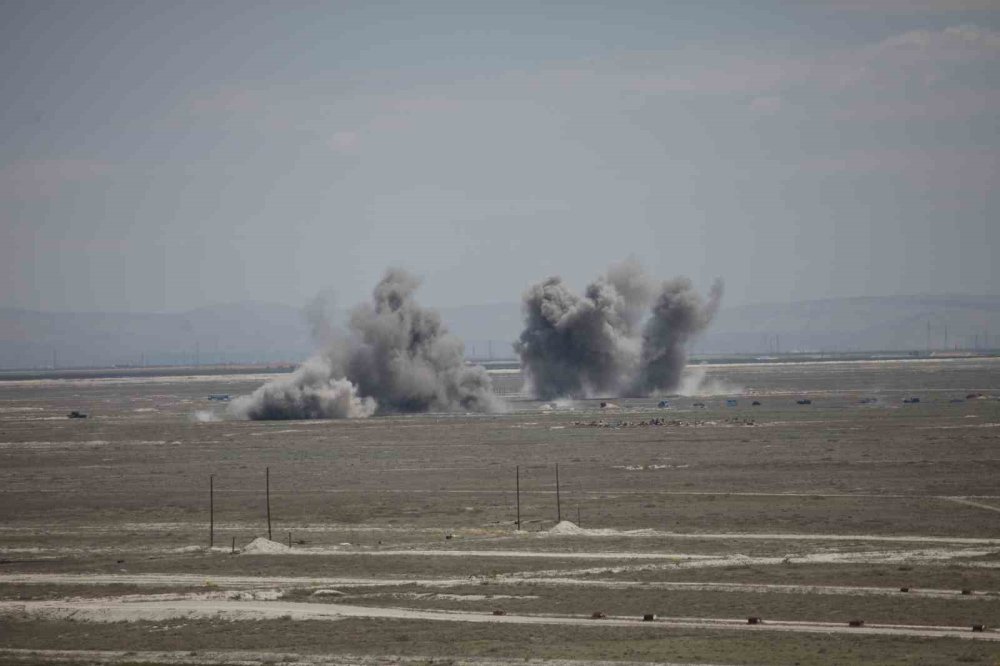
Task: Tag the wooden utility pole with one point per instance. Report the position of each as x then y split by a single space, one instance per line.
211 510
267 486
517 481
558 501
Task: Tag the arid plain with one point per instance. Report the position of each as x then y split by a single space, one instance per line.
858 507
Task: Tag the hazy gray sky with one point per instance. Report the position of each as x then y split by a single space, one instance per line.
163 155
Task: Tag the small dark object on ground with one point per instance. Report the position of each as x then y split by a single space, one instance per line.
597 615
966 591
698 404
973 396
499 611
301 542
804 401
604 404
979 627
753 620
663 404
904 589
119 561
448 536
856 623
648 617
910 401
77 415
755 403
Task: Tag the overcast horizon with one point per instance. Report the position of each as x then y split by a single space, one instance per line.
161 157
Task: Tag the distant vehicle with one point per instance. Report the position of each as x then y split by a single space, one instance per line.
804 401
910 401
867 401
730 403
698 404
221 397
664 404
755 403
77 415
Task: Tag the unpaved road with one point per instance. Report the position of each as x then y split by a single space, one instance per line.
289 582
110 610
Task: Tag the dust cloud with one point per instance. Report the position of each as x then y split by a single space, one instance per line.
395 356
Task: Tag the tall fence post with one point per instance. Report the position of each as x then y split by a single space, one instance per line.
558 500
517 481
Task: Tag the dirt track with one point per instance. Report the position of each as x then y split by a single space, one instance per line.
110 611
272 582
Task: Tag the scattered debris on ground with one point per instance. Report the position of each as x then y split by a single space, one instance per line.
658 422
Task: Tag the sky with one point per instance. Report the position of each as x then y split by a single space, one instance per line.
161 156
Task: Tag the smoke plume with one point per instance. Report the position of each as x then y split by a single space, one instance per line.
311 392
395 357
625 335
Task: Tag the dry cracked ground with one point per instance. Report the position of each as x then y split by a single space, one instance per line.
681 524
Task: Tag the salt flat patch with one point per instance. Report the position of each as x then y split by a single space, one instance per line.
649 468
939 556
211 595
440 596
262 546
960 427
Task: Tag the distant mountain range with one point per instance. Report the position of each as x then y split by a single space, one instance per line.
259 332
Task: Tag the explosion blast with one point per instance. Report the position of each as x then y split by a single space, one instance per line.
624 336
395 357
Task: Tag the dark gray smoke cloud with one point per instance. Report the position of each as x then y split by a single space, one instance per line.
609 340
405 358
679 313
395 357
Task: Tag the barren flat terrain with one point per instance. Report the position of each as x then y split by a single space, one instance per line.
404 539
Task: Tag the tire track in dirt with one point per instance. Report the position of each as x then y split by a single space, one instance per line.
968 502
